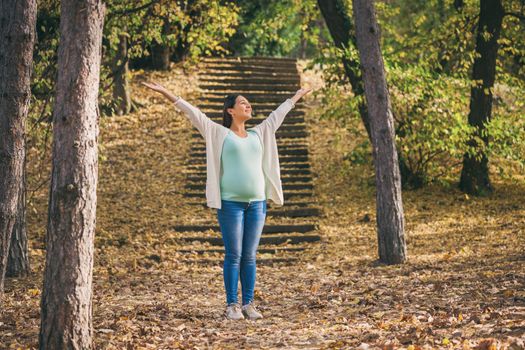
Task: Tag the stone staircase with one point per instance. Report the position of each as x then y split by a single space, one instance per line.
289 230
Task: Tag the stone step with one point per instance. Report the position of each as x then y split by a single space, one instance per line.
254 98
288 204
200 164
284 179
196 158
260 250
263 107
279 134
260 261
264 240
253 80
257 120
284 149
261 59
245 68
286 168
285 186
283 127
247 75
259 115
267 229
294 213
287 194
281 143
302 151
300 203
247 86
245 63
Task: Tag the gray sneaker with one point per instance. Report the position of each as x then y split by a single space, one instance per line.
233 312
250 312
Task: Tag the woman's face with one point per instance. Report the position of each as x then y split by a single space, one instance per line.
242 109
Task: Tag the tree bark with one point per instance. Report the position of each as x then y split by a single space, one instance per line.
389 205
475 173
121 91
18 261
17 36
66 306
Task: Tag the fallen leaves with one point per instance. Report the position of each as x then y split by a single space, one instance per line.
462 288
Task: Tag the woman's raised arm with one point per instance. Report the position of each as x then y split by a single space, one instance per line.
276 117
196 117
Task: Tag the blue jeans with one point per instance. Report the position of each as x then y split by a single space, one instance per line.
241 225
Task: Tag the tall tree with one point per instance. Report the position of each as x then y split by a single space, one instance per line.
17 36
341 29
475 173
66 306
389 204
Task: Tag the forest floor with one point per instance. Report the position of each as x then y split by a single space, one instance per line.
462 287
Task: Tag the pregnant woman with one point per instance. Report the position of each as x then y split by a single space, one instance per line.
242 172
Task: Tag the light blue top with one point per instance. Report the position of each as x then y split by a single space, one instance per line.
242 177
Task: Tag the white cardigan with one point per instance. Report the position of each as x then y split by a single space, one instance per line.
214 135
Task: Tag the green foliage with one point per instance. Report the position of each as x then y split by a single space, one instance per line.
428 49
202 25
278 28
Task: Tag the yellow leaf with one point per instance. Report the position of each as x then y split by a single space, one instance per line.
33 292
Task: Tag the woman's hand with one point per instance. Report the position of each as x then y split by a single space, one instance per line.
161 89
300 93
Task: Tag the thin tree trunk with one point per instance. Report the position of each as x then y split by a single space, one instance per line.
18 261
17 36
181 48
475 173
161 52
341 30
389 204
121 91
66 306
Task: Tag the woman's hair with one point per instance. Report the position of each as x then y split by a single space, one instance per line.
229 102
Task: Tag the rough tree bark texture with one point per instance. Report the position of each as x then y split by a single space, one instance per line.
17 36
475 173
18 261
389 205
66 306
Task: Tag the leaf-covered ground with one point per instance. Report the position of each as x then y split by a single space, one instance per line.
462 287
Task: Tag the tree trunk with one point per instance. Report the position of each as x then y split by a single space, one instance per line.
341 29
66 306
121 92
389 204
17 36
181 48
160 52
475 173
18 261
